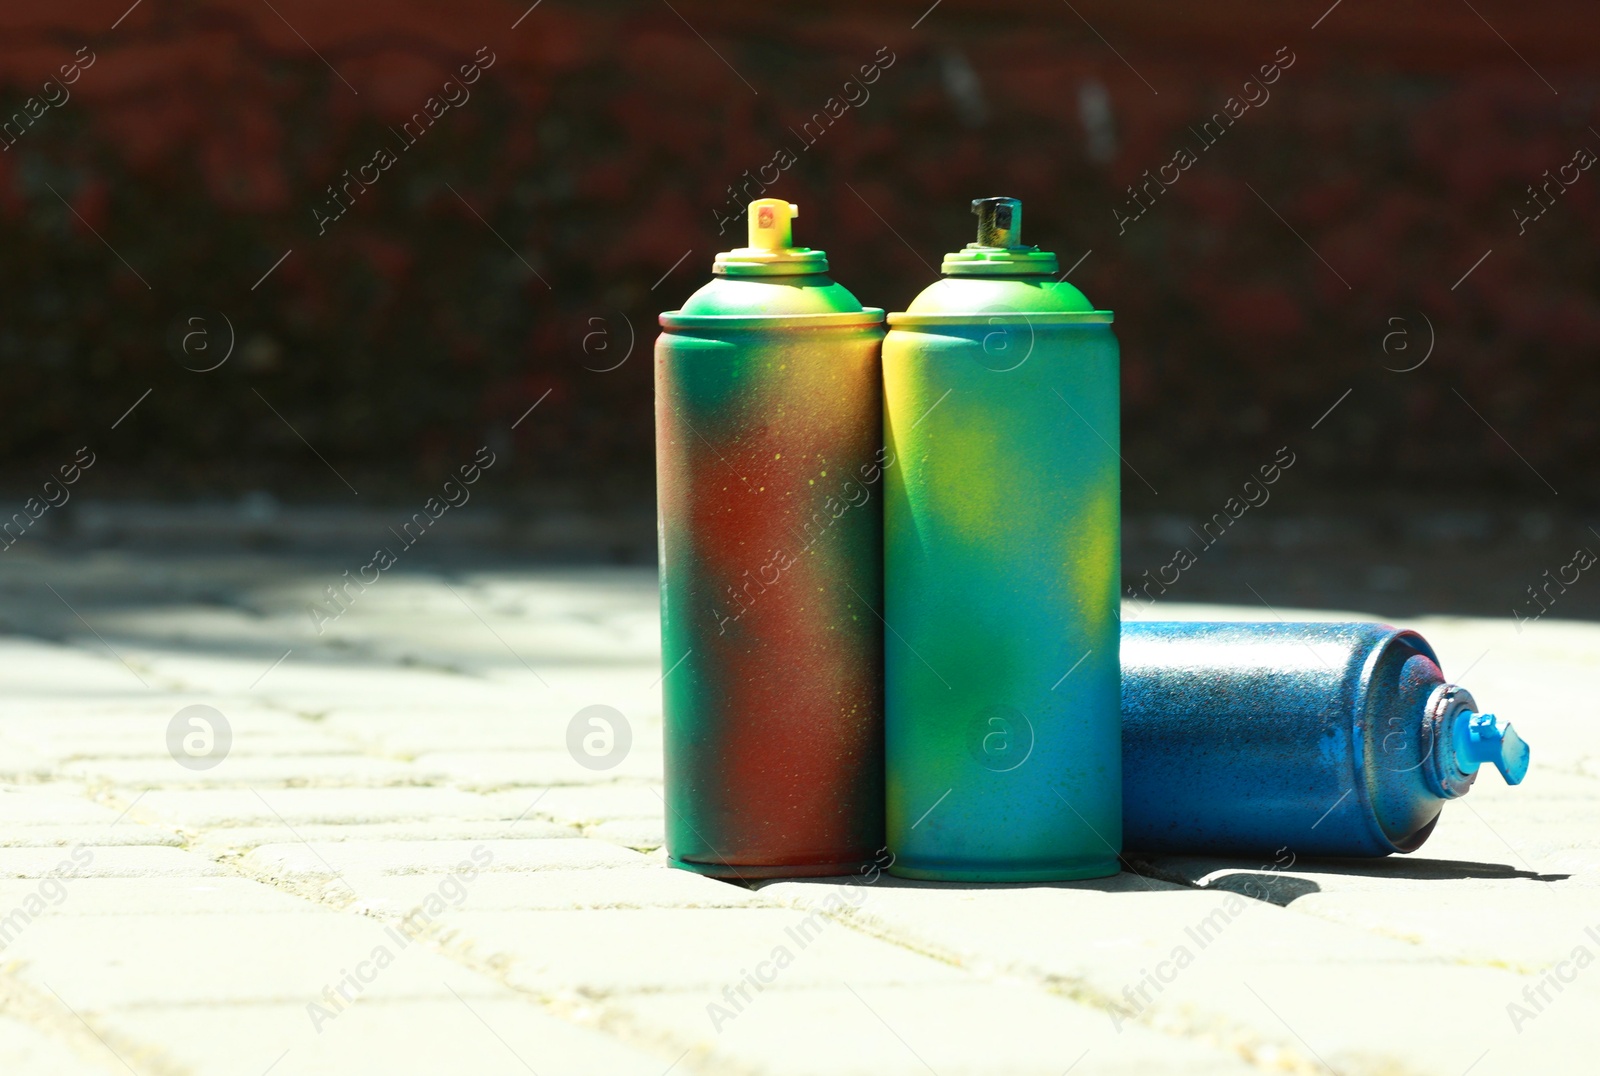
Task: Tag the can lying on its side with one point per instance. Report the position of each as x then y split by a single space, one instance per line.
1329 739
768 463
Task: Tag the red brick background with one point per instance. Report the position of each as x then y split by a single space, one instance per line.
605 135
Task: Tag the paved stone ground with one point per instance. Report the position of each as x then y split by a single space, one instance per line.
398 867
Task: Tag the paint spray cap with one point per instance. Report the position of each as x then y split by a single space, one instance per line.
771 250
999 250
1481 738
1464 738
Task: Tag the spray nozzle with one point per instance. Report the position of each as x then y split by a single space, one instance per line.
999 250
1459 739
999 221
771 251
769 224
1480 738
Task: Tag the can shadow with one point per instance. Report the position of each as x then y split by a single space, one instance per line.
1415 869
1279 889
1173 874
1248 878
1125 882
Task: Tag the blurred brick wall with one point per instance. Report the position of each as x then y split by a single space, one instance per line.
600 144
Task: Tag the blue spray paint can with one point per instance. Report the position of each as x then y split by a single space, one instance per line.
1329 739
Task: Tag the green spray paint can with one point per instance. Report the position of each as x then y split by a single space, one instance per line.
769 472
1002 562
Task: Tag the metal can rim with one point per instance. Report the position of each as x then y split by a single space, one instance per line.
673 319
1382 636
1061 317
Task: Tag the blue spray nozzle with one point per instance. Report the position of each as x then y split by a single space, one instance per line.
1480 738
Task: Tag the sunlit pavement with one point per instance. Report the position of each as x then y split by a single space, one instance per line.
235 844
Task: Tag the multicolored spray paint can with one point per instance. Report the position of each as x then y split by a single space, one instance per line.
1002 558
1319 739
769 469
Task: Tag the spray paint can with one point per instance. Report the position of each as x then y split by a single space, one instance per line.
1324 739
1002 563
769 465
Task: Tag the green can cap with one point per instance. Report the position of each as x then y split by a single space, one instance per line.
999 250
771 251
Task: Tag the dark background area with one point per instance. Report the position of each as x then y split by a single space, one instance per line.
520 251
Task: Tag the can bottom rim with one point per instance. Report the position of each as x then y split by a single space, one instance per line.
743 871
1101 868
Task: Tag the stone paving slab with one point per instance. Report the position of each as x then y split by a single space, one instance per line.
682 948
551 890
640 834
871 1030
200 810
288 770
215 893
233 918
420 857
500 1035
173 959
224 841
502 769
33 1050
126 833
116 861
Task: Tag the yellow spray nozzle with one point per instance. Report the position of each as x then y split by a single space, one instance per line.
771 251
769 224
